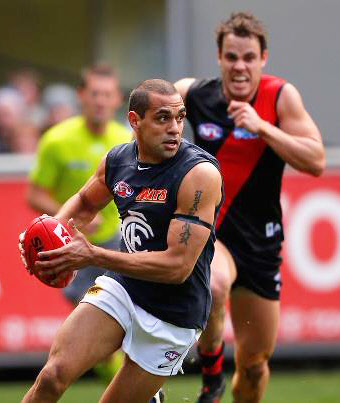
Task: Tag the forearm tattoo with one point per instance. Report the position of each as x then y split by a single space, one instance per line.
185 235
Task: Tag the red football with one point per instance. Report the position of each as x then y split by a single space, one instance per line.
46 233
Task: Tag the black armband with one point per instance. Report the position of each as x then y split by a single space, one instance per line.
193 220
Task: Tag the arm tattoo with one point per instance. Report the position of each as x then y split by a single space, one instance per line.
197 199
185 235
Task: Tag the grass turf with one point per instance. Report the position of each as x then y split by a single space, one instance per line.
292 387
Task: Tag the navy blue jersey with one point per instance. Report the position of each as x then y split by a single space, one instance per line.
250 217
146 198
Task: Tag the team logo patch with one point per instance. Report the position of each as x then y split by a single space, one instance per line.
122 189
242 134
210 131
135 229
94 290
170 356
152 195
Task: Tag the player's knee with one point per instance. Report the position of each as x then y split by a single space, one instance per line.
220 288
255 370
51 381
255 373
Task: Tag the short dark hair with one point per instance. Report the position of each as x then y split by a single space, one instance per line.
103 70
242 24
139 97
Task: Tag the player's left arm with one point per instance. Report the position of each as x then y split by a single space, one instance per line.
183 85
198 196
297 140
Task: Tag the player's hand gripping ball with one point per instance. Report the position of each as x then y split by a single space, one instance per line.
45 233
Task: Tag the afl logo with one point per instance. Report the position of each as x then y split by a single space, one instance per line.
122 189
135 230
210 131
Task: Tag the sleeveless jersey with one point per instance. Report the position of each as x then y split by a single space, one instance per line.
250 216
146 197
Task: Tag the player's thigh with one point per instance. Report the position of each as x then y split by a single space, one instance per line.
223 270
132 384
255 321
87 336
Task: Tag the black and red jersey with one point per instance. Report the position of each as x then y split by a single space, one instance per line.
251 214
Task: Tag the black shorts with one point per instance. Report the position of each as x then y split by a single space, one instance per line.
258 272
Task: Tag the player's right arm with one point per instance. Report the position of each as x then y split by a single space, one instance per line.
91 198
183 85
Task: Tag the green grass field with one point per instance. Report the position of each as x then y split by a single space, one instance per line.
293 387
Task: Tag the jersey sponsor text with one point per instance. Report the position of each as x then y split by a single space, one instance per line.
152 195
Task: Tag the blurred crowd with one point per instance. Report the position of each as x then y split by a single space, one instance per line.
27 110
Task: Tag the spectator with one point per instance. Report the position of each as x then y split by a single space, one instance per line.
17 135
60 103
27 83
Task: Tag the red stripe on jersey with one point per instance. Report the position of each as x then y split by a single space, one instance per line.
237 161
239 157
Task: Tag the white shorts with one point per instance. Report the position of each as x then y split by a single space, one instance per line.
156 346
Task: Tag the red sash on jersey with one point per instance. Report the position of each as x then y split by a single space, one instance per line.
238 157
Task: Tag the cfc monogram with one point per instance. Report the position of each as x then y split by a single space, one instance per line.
135 229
